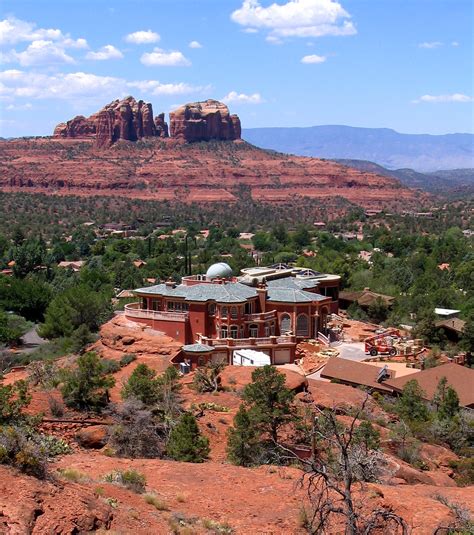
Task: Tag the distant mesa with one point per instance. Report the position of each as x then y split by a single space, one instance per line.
131 120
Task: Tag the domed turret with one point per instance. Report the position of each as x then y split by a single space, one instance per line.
221 270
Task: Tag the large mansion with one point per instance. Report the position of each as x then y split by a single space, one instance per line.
268 309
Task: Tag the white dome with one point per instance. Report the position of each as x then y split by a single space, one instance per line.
220 270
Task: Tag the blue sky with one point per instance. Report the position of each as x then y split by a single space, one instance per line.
402 64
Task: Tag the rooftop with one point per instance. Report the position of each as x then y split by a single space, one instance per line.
459 377
227 292
356 373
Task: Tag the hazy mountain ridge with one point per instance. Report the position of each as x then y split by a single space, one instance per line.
386 147
442 181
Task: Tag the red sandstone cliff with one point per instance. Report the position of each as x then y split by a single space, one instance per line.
132 120
202 121
127 119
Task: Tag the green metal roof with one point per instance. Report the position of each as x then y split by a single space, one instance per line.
229 292
197 348
289 295
292 283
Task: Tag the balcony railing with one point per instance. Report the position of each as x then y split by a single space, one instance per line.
133 310
247 342
261 316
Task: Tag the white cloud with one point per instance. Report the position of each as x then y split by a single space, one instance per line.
431 44
106 52
195 44
273 40
234 97
296 18
154 87
454 43
38 53
86 86
162 58
142 37
250 30
13 31
313 58
436 99
19 107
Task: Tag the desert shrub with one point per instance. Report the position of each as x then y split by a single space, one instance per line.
158 504
53 446
73 475
19 450
186 442
43 373
464 470
110 366
56 407
13 399
138 433
86 387
127 359
131 479
206 378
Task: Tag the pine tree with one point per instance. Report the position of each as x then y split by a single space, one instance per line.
411 405
243 440
269 401
446 400
186 442
86 387
142 385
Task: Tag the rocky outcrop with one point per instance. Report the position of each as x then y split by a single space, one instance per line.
126 119
202 121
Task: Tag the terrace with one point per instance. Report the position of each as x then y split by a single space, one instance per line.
133 310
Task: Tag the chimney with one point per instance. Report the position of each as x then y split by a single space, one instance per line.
170 283
262 297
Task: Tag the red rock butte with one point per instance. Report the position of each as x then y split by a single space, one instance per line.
131 120
123 150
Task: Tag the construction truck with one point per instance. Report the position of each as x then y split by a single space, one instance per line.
390 342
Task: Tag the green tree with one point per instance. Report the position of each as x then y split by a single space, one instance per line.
269 401
446 400
142 385
75 307
243 440
186 442
410 405
378 310
367 435
86 386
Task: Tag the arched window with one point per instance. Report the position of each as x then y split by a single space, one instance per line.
285 323
302 325
224 331
234 312
234 331
224 312
272 328
212 309
253 331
